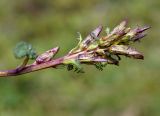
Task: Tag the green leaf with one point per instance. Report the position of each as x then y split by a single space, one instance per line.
100 65
24 49
73 64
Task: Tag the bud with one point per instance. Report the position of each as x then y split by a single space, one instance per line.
47 56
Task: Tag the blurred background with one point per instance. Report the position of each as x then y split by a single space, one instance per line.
132 89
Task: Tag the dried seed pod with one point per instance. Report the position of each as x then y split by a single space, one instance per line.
111 40
125 50
111 60
140 30
91 58
85 57
116 35
89 39
120 27
138 36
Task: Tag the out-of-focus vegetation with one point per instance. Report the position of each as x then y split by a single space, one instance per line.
132 89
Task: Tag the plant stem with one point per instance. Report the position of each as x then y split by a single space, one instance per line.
91 50
31 68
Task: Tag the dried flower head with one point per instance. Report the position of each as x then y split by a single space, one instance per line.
108 49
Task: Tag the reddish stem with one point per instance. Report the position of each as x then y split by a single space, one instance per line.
31 68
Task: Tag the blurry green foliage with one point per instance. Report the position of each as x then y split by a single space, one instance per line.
132 89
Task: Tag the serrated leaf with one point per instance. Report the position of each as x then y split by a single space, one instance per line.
32 54
100 65
24 49
70 67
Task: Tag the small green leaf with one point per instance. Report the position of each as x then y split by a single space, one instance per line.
73 64
100 65
32 54
70 67
24 49
107 30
